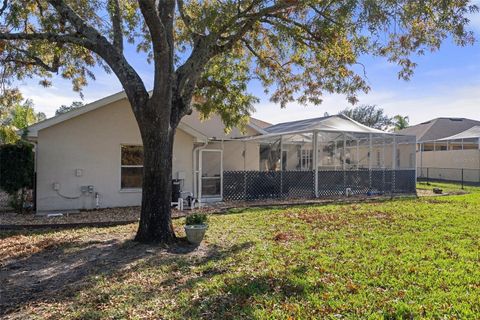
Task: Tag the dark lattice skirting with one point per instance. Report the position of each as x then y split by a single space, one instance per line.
255 185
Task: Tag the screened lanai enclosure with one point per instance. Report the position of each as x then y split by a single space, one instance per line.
324 157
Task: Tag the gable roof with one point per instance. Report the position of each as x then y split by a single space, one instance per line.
255 124
259 123
472 133
439 128
328 123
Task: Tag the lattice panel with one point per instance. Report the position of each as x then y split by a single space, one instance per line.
380 181
234 185
298 184
263 185
405 181
331 183
256 185
358 181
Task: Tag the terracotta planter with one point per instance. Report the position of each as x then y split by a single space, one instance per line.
195 233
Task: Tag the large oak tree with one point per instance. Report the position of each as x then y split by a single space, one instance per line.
297 49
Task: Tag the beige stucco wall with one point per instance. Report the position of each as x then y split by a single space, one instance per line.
233 154
467 159
213 127
447 164
91 142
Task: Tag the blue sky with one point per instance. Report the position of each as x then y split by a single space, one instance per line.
446 83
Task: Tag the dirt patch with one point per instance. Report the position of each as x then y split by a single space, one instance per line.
87 216
56 266
21 245
287 237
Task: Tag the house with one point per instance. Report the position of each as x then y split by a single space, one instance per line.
92 157
448 148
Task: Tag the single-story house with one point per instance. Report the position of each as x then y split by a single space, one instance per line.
448 148
91 157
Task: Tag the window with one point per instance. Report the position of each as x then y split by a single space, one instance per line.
131 167
306 156
429 146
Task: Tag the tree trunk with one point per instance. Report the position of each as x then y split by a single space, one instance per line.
155 219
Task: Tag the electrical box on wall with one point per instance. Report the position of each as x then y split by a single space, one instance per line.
87 189
56 186
78 172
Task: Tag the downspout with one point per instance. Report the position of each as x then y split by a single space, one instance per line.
195 171
35 189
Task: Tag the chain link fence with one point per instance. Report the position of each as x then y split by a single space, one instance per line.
257 185
460 175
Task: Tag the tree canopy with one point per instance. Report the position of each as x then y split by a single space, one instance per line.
15 114
64 108
400 122
375 117
369 115
297 50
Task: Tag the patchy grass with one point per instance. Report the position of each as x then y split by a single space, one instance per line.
448 187
401 259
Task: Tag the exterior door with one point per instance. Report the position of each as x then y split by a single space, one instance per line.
211 174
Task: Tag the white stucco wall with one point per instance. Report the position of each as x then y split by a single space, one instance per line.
91 142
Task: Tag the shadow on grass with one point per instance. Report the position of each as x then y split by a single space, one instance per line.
61 272
237 296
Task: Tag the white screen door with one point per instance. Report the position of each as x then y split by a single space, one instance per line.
211 174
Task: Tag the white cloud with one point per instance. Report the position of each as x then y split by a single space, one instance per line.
49 99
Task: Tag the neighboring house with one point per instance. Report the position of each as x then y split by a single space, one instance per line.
92 157
447 145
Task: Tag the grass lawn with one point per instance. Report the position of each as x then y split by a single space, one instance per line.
401 259
447 187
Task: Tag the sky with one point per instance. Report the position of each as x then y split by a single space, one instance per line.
446 83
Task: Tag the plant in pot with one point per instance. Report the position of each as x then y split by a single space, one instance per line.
195 227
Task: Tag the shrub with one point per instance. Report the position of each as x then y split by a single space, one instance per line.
16 172
197 218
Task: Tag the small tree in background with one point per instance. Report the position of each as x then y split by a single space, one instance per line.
16 172
64 108
369 115
16 114
400 122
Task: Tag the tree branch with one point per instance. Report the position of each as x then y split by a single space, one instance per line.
4 7
207 47
50 36
39 62
128 77
116 18
187 21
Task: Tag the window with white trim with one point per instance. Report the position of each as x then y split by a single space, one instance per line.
131 166
306 156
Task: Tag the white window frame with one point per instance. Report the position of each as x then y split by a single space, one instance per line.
307 155
200 175
139 189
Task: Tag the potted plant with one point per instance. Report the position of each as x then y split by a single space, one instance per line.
195 227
